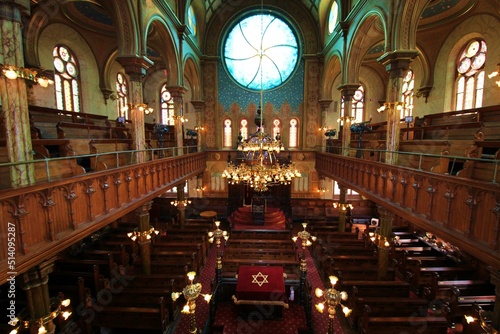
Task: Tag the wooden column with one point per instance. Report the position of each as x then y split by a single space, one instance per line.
181 208
136 68
177 96
35 284
144 242
342 210
13 93
385 230
396 63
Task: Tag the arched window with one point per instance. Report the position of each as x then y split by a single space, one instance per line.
166 106
407 94
470 78
244 129
358 105
191 20
276 128
122 93
227 133
293 138
333 17
66 79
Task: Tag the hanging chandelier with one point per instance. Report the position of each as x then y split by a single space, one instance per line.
257 163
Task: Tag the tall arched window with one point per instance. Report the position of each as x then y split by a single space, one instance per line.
122 93
66 79
166 106
227 133
357 106
276 128
470 78
407 94
293 138
244 129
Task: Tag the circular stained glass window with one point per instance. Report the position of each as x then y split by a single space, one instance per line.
261 52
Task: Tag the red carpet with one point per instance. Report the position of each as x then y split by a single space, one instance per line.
227 312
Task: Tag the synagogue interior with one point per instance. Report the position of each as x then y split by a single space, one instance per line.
257 166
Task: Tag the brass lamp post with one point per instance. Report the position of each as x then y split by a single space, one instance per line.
216 235
332 298
190 293
307 240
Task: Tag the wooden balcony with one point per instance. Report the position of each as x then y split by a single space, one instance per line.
41 220
463 211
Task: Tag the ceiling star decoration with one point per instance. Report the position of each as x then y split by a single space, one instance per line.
260 279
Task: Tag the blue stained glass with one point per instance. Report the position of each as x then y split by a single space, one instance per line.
261 52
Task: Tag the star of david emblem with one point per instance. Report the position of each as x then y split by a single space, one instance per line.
260 279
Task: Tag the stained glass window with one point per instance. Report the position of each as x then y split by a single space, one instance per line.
293 139
333 17
166 106
276 128
122 93
357 106
227 133
470 75
244 129
261 52
407 94
66 79
191 20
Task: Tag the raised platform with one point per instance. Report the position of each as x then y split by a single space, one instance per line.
244 218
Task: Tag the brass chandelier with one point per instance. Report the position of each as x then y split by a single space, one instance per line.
258 163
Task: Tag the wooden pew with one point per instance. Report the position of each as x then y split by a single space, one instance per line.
162 258
361 273
262 234
441 289
462 301
406 324
106 159
260 243
421 276
260 253
130 317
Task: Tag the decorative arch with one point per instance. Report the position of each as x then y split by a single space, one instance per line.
159 37
332 69
360 44
192 73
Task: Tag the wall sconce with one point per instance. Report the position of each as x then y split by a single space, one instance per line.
142 108
181 203
199 128
322 190
36 75
392 105
495 74
342 206
323 128
200 188
345 119
180 118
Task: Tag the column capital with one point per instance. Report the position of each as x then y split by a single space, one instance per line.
177 91
135 66
385 213
144 209
324 104
16 8
397 62
198 105
348 90
37 275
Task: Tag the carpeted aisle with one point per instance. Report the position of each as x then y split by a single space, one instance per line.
293 318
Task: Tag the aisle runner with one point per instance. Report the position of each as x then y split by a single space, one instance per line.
320 320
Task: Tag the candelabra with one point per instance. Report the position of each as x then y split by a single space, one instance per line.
216 235
391 105
60 307
147 234
304 236
332 298
191 292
